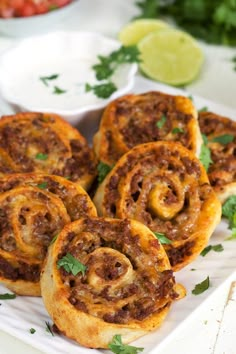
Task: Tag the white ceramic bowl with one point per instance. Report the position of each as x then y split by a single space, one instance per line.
37 24
70 55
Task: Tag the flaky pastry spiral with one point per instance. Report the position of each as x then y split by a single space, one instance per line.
221 140
164 186
126 286
136 119
43 142
33 210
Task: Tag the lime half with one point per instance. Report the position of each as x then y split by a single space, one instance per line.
134 31
170 56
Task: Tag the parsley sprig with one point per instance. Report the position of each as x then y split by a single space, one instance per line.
106 67
71 264
229 211
117 347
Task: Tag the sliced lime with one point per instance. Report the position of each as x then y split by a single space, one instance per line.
134 31
170 56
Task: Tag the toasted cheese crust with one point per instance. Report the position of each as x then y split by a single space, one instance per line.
141 118
44 142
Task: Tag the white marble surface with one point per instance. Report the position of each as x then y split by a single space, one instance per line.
217 82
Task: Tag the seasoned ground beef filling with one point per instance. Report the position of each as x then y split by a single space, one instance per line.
123 282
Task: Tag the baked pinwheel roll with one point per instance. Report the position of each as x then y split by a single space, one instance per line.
43 142
33 210
137 119
104 277
221 140
164 186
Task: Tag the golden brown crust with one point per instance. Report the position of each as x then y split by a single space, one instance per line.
222 170
134 119
43 142
33 209
127 287
164 186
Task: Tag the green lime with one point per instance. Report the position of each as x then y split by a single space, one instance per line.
134 31
170 56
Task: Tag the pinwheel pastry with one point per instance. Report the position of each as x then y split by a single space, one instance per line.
104 277
220 134
43 142
33 210
164 186
137 119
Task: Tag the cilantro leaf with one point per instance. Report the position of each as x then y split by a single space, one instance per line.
161 122
48 328
58 91
223 139
203 109
216 248
117 347
41 156
201 287
71 264
42 185
32 330
205 156
45 79
103 90
103 170
177 130
162 238
7 296
229 210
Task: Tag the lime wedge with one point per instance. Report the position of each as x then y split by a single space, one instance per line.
170 56
136 30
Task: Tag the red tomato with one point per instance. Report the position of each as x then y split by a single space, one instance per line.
16 4
28 9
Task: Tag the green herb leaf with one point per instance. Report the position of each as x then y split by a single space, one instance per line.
117 347
229 210
190 97
48 328
7 296
216 248
42 185
177 130
203 109
103 170
32 330
162 238
41 156
161 122
233 235
103 90
223 139
58 91
201 287
71 264
54 239
205 156
45 79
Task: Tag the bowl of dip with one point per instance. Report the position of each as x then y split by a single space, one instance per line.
49 73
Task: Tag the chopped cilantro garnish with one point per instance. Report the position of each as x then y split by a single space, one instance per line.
41 156
7 296
42 185
71 264
162 238
58 91
203 109
205 156
32 330
103 170
201 287
223 139
117 347
161 122
177 130
48 328
45 79
103 90
216 248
